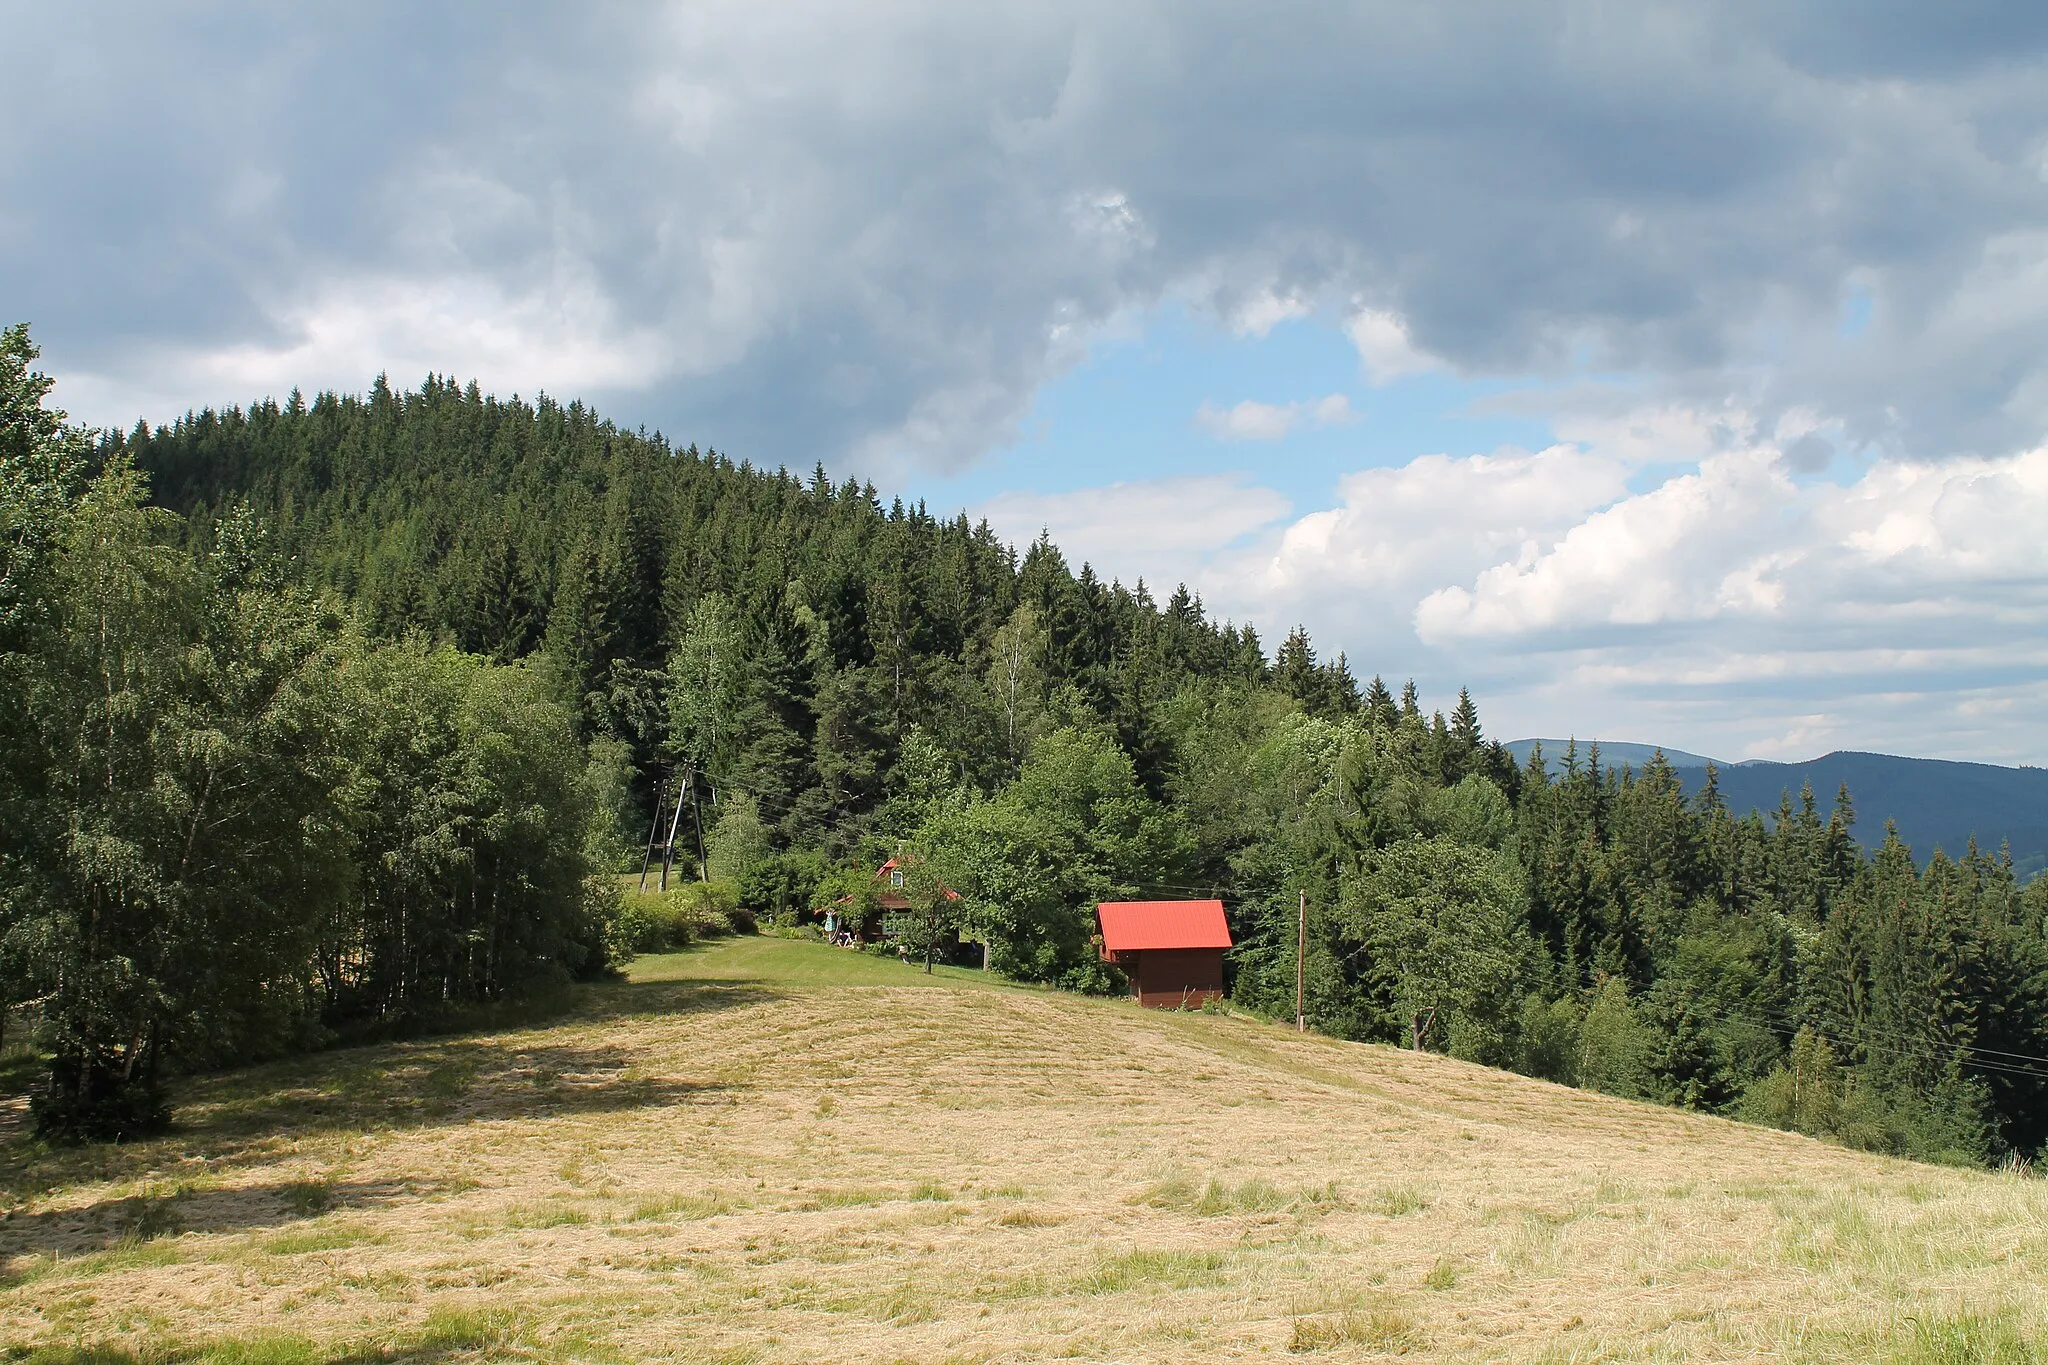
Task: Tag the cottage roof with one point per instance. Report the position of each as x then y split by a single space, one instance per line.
1131 926
892 897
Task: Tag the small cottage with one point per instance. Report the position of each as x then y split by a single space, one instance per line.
1172 951
890 876
891 896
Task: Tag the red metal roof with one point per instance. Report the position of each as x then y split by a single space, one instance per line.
887 896
1129 926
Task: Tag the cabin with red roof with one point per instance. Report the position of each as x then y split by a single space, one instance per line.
1172 951
890 875
890 898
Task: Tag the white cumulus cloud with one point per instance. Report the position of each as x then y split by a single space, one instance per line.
1397 533
1729 608
1163 531
1384 347
1254 421
1698 545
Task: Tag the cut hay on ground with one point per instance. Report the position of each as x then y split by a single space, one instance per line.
770 1151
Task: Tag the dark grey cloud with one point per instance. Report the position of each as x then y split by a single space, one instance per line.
864 232
1810 454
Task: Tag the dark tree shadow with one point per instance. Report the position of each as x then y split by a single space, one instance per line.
436 1084
435 1344
130 1223
429 1086
236 1118
623 999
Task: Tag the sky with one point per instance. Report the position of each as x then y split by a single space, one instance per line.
1662 372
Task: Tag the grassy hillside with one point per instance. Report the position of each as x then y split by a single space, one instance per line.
767 1151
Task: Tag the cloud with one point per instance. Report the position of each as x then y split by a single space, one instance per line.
1696 546
1727 255
1810 454
1266 310
1911 563
807 231
1384 348
1250 421
1728 608
1160 530
561 338
1396 534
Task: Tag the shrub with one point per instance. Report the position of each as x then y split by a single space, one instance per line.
662 921
712 909
1804 1095
1550 1039
780 888
648 923
1612 1044
604 914
76 1106
1810 1092
1095 977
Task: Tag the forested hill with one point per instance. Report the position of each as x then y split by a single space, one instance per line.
1934 803
513 529
496 623
1557 753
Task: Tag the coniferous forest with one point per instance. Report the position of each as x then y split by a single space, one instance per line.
320 719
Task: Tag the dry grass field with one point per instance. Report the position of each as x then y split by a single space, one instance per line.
773 1151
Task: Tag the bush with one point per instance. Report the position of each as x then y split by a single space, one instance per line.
1095 977
1803 1095
1812 1093
1612 1044
1550 1039
647 923
79 1105
780 888
604 915
662 921
712 909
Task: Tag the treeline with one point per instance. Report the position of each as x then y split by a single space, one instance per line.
232 823
838 679
1601 929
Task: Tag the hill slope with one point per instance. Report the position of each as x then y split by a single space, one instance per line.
1614 752
778 1151
1936 803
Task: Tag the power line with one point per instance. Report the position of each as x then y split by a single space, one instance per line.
1908 1053
1921 1050
1900 1035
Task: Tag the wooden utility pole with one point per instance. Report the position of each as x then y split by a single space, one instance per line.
668 850
654 830
697 814
1300 964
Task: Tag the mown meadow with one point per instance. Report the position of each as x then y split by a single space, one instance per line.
768 1150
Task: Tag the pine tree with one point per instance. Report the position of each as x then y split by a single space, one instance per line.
1294 669
1380 711
1465 730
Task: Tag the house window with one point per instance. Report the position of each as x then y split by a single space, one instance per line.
896 880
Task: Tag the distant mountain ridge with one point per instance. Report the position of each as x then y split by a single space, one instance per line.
1612 753
1934 802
